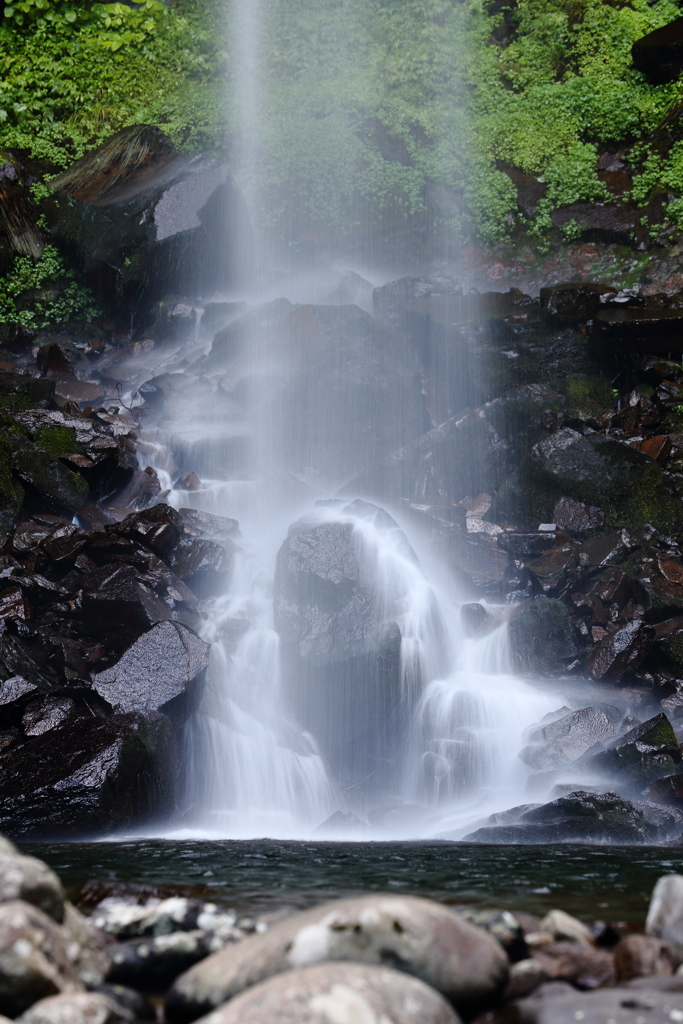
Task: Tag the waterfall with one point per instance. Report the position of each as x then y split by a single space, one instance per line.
258 756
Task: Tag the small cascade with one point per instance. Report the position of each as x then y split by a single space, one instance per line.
254 769
251 770
467 733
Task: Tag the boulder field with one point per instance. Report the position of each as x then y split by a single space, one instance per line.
137 956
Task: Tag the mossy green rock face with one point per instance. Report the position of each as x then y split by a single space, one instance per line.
625 483
58 441
58 485
589 395
648 752
11 491
542 638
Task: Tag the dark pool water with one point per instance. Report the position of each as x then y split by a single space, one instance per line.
257 876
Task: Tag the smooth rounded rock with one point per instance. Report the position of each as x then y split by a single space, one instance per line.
419 936
337 994
77 1008
642 956
29 879
87 946
34 958
564 927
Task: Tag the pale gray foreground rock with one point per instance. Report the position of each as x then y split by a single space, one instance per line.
34 958
665 915
417 935
77 1008
87 947
26 878
607 1006
337 994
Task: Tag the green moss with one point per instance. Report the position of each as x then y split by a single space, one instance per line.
58 441
589 395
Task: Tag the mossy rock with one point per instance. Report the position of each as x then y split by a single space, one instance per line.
524 499
589 395
56 485
626 484
11 491
59 441
649 751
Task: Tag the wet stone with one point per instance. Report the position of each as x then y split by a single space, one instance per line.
34 958
158 528
577 517
665 914
542 637
659 54
473 616
13 604
206 567
152 964
649 751
45 713
552 568
59 486
622 650
637 330
14 688
617 1005
585 968
640 956
77 1008
116 774
157 670
561 742
573 303
578 817
668 790
209 527
28 879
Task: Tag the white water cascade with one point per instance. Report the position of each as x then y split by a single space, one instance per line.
252 767
253 770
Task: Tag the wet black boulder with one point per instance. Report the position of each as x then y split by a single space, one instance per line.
542 637
578 817
88 775
645 753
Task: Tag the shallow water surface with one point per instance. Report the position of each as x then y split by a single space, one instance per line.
258 876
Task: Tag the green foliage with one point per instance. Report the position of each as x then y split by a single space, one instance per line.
58 441
72 73
42 293
367 112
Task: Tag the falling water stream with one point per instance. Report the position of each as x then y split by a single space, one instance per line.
252 768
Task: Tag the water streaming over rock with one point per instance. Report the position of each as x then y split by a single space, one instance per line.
340 677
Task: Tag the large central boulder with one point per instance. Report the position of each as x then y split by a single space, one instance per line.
341 650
